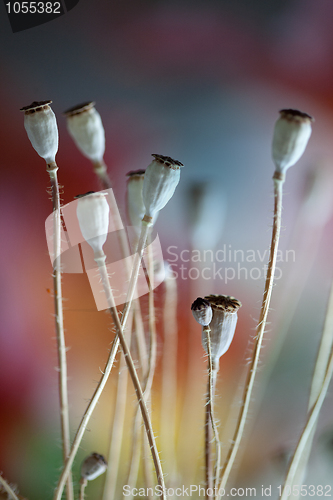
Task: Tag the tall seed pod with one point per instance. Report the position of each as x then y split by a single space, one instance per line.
85 126
41 126
93 216
222 325
291 134
160 181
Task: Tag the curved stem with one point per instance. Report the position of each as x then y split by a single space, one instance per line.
85 419
59 323
278 183
99 389
169 378
132 371
210 422
7 488
118 424
308 430
83 484
151 360
322 369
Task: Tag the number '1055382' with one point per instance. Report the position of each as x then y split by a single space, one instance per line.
33 7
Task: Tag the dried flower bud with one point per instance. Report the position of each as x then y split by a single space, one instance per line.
95 465
291 134
160 181
134 201
93 215
41 126
85 126
222 325
202 311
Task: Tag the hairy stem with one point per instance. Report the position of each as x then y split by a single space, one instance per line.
8 489
169 377
307 431
298 464
83 484
118 424
210 424
59 323
100 387
132 372
252 370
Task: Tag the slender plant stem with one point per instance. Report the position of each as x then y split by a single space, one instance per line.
118 424
83 484
85 419
100 387
135 454
307 431
208 451
169 377
210 424
101 171
151 361
7 488
136 439
131 368
59 323
249 384
297 469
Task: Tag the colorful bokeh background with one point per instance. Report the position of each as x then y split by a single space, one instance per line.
200 81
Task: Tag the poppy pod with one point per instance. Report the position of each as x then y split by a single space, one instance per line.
93 216
85 126
202 311
41 126
160 181
291 134
93 466
223 324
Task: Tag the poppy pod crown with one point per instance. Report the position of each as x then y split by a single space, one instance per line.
222 325
41 126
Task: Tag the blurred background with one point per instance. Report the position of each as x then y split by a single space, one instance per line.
202 82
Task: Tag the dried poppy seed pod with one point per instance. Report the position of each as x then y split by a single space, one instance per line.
222 325
160 181
41 126
85 126
291 134
134 201
93 466
202 311
93 215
